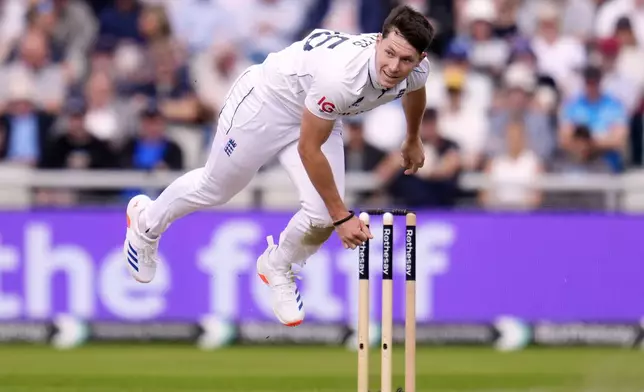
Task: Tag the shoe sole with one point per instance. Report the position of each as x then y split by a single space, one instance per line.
291 324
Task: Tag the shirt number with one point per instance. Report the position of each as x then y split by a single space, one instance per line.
330 39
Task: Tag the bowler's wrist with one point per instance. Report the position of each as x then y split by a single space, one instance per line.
338 215
338 222
413 136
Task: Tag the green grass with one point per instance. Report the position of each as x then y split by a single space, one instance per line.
308 369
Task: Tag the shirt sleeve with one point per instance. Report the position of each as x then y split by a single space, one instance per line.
327 96
618 113
567 112
418 76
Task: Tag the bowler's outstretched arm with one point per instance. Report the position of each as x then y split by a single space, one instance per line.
414 104
314 133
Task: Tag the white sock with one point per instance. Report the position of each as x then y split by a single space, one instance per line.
299 241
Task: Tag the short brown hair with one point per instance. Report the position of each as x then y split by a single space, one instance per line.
412 25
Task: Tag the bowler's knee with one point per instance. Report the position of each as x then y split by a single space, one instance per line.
317 235
320 228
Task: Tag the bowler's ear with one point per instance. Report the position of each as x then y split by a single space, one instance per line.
422 57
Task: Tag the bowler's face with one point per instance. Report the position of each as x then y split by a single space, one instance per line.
395 59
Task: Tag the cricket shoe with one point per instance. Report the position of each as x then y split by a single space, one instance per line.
287 300
140 251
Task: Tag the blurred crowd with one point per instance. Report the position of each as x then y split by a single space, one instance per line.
517 88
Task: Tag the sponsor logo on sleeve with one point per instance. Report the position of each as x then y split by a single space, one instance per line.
326 106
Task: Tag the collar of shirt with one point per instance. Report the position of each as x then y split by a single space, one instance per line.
373 72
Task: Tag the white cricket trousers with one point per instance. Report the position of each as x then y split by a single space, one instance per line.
252 129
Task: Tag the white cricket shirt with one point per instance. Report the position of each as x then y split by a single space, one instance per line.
333 74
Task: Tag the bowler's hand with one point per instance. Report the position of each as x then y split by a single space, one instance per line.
413 155
353 233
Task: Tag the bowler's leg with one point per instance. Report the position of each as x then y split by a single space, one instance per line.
305 233
312 225
209 186
242 144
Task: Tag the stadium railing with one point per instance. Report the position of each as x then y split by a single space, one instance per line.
622 192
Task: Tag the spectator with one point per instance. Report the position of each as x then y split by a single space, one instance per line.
157 45
34 60
521 52
577 17
558 56
73 26
467 126
610 12
171 88
151 149
131 68
436 183
196 22
12 24
121 21
101 58
477 89
74 148
40 19
545 92
512 174
486 52
158 36
442 15
216 70
154 25
518 105
360 155
631 55
24 128
506 23
384 126
604 115
108 117
371 15
615 83
269 26
583 156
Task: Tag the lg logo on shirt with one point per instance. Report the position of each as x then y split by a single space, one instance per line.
326 106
